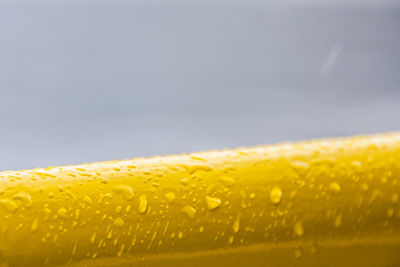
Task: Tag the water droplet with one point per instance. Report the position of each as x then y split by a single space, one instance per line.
24 198
394 198
374 196
70 194
300 165
390 212
275 195
197 158
60 188
128 208
201 229
142 204
109 235
338 221
313 250
228 181
189 211
121 250
46 213
35 225
334 188
9 205
298 228
236 225
231 239
298 253
125 190
212 202
184 181
118 209
103 180
170 197
196 168
180 235
364 187
62 212
93 238
87 200
74 248
118 222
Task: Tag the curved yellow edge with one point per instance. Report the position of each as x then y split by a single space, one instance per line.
321 203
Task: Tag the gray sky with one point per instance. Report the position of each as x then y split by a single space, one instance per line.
86 81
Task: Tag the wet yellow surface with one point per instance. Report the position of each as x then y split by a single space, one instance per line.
321 203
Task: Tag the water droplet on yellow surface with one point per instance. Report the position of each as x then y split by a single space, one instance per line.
118 209
201 229
390 212
228 181
24 198
298 228
74 248
184 181
46 213
394 198
338 221
189 211
170 197
334 188
62 212
60 188
35 225
236 225
275 195
180 235
313 250
196 168
9 205
298 253
231 239
300 165
142 204
125 190
212 202
109 235
364 187
87 200
128 208
103 180
93 238
121 250
118 222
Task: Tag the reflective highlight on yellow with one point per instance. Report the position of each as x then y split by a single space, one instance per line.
320 203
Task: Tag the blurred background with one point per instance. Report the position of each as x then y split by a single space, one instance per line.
84 81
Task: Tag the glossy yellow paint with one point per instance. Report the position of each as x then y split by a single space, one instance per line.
321 203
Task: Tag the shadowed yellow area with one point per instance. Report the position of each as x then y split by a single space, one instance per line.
331 202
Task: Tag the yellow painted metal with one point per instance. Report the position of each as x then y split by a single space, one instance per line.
321 203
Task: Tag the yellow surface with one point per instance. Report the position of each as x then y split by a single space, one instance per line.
320 203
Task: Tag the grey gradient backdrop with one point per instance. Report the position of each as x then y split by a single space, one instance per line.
84 81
